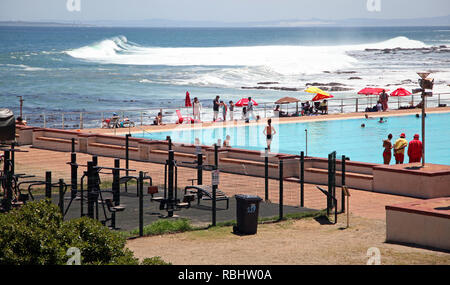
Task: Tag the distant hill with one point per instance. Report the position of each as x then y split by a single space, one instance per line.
312 22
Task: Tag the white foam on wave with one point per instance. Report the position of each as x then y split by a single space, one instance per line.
25 67
285 60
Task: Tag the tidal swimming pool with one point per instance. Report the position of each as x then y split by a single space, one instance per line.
346 137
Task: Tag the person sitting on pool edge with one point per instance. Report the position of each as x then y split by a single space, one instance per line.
399 149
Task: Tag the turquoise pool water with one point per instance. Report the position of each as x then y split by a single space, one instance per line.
346 137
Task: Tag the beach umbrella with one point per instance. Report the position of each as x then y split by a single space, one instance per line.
187 101
372 91
244 102
319 97
287 100
400 92
316 90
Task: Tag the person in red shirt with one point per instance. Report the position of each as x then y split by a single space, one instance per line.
415 149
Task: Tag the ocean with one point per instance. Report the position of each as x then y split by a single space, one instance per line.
74 69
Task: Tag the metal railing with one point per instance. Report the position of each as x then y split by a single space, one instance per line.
141 117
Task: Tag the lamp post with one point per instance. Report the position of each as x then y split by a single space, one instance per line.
425 83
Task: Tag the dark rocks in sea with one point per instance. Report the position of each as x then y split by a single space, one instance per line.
325 84
354 78
345 72
267 83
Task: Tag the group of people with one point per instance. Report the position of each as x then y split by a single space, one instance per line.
382 103
115 122
414 149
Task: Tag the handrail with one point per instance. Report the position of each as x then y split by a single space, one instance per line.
265 109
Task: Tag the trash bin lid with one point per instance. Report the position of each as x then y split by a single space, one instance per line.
247 197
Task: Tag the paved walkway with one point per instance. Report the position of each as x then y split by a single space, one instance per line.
362 203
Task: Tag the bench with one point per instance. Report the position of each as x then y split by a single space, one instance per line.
113 146
204 192
248 162
180 154
58 140
347 174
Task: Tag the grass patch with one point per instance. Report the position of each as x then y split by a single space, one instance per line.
161 227
165 227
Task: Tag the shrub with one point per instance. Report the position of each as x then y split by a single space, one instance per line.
36 234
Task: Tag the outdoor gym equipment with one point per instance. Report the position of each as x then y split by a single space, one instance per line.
170 202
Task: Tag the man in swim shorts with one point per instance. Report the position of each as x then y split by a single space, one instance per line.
387 153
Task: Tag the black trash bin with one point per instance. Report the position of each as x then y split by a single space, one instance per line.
247 208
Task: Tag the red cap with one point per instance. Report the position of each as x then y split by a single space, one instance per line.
402 135
416 136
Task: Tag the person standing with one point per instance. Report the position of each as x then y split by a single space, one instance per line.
399 149
224 110
387 153
245 114
269 132
197 109
384 100
250 108
216 105
415 149
231 109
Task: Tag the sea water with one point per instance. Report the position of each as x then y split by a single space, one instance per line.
75 69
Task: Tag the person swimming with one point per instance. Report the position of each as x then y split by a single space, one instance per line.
363 125
382 120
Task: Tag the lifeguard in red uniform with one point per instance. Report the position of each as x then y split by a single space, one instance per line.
415 149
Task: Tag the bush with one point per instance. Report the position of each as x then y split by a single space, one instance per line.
154 261
36 234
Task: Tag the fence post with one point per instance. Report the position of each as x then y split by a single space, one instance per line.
62 119
342 105
81 120
141 203
45 120
439 99
127 145
61 196
302 179
281 189
48 184
141 119
357 105
266 174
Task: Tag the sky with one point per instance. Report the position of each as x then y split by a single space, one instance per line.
218 10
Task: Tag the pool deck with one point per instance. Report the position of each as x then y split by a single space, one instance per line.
283 120
362 203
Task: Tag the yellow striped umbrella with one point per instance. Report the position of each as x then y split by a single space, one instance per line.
316 90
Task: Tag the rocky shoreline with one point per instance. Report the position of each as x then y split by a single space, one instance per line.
332 87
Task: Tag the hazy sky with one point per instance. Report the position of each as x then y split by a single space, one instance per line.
217 10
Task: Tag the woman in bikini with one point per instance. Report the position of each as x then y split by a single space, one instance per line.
269 132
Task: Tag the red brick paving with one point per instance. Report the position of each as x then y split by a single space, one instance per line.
362 203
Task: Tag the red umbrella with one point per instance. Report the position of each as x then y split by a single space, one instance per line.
244 102
371 91
187 101
400 92
319 97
